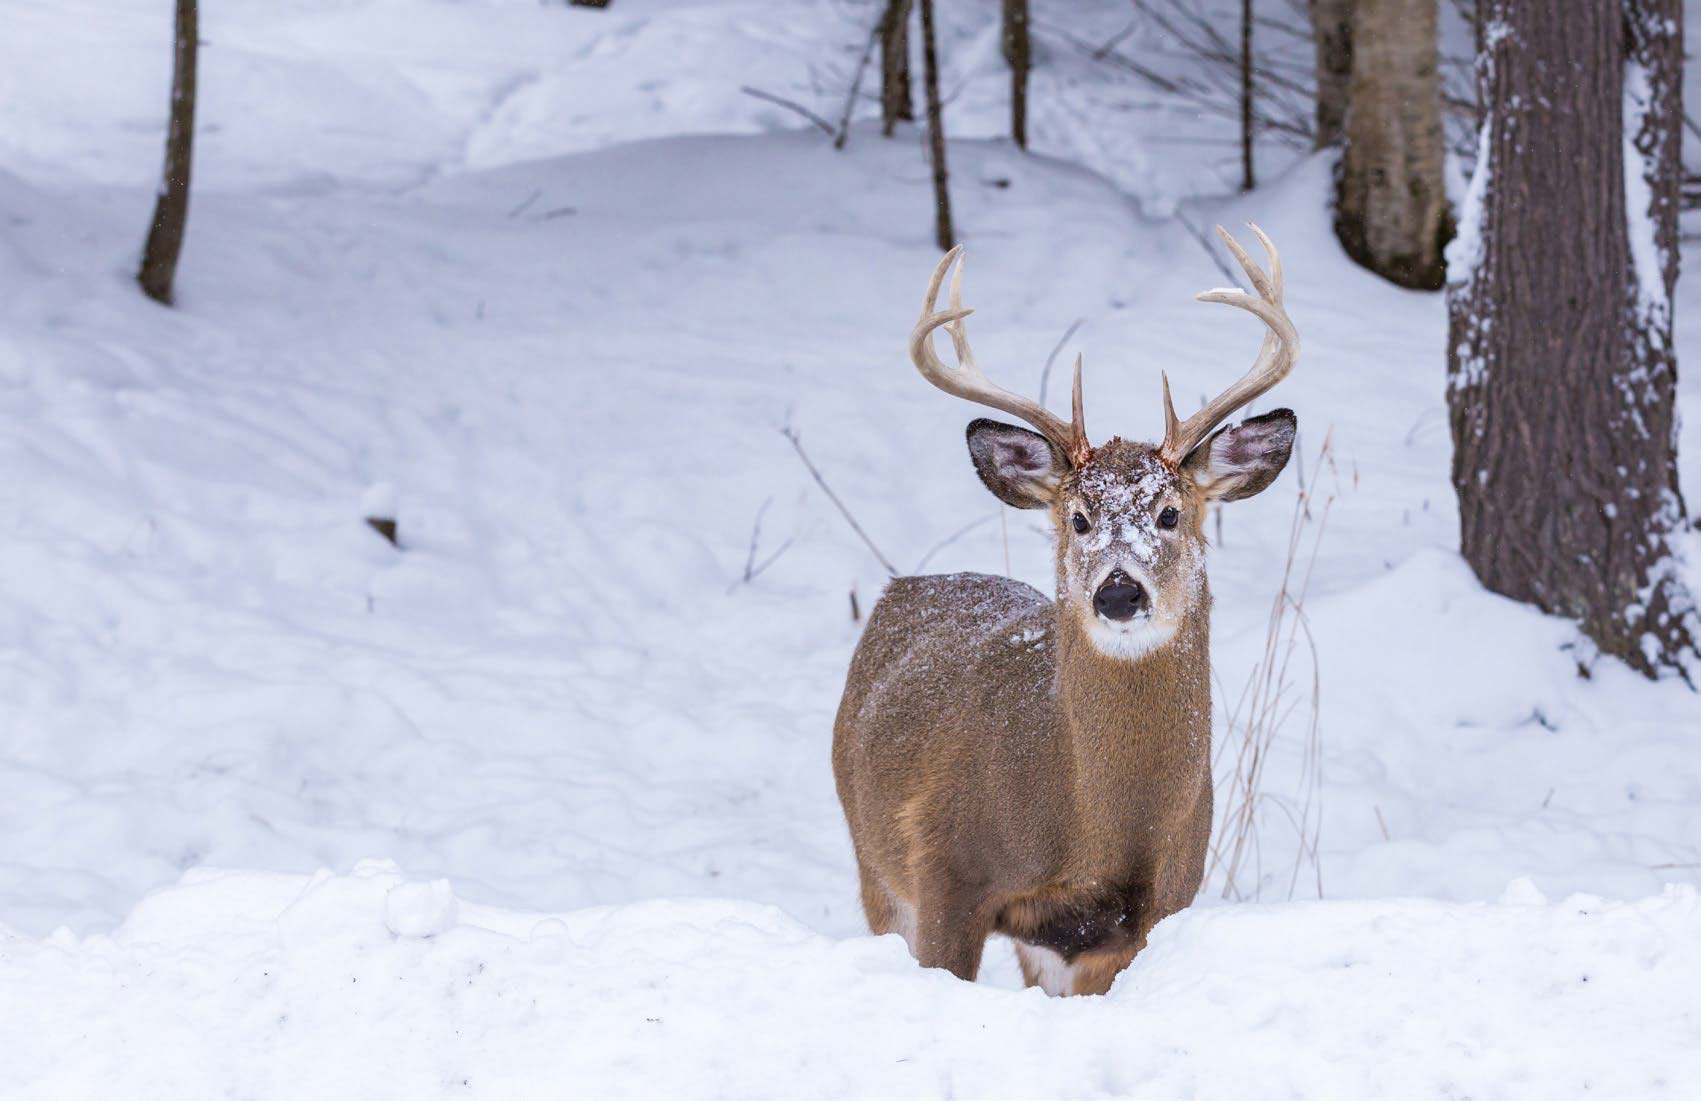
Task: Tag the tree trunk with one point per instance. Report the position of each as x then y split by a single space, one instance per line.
895 66
1246 180
1390 197
1018 52
1561 373
1332 32
171 208
935 131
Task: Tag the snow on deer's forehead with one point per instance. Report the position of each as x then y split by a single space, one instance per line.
1124 485
1120 477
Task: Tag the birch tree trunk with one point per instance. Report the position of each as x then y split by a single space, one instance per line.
171 208
1390 198
1561 371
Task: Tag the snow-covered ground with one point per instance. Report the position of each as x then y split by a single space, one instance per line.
248 984
543 280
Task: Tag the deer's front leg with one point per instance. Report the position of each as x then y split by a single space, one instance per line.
951 928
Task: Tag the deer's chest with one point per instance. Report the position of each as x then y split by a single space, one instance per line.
1072 920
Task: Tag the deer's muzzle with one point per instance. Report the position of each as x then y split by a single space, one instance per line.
1121 598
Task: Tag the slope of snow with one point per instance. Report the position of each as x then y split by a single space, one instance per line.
391 93
560 693
366 985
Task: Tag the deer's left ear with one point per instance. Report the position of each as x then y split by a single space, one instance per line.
1244 459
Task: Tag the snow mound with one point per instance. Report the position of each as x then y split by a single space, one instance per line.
367 985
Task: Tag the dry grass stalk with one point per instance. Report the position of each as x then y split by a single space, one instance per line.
1276 691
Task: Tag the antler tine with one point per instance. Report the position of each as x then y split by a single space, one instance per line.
967 381
959 331
1276 357
1260 282
1079 448
1275 259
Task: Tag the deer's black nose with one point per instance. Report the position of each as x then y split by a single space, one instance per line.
1121 597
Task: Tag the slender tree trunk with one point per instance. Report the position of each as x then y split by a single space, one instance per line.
1477 46
1390 196
1247 182
1561 372
895 66
1332 31
942 231
1018 52
171 208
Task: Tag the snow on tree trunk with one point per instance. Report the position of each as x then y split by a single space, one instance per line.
1331 31
1561 368
895 103
171 209
1390 198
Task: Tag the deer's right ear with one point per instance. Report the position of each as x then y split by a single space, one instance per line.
1022 468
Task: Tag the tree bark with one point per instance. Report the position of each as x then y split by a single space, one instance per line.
1561 371
1018 52
1390 197
1247 182
895 103
171 208
1332 32
942 231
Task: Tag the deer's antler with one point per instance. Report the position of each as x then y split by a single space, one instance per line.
967 380
1275 359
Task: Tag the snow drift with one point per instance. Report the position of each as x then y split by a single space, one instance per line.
367 985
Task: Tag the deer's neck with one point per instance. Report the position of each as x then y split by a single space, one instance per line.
1138 732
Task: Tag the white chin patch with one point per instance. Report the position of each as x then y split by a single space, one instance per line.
1131 639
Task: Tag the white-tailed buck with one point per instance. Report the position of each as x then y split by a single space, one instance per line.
1041 768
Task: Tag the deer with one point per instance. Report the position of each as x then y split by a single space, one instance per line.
1040 768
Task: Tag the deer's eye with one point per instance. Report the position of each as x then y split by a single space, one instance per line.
1080 524
1168 518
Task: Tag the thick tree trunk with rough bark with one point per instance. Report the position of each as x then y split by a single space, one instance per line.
1018 53
1390 197
1561 369
1332 33
942 230
171 208
895 104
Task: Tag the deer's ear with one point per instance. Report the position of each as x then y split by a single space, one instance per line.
1244 459
1021 468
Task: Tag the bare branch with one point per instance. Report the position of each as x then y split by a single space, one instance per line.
856 82
1045 373
752 568
1205 243
790 433
781 101
948 540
